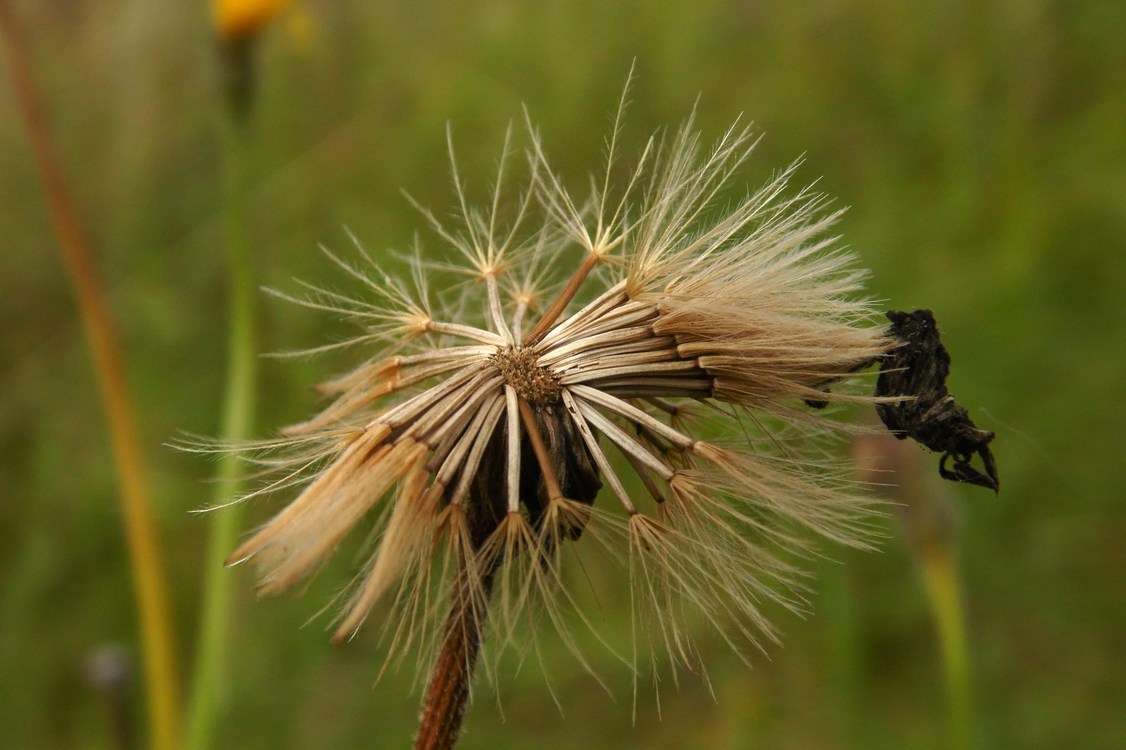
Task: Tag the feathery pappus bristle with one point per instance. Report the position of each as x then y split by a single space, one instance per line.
668 374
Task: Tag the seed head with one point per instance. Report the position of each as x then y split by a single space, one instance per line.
536 384
658 341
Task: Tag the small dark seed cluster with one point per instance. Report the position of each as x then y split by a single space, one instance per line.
534 383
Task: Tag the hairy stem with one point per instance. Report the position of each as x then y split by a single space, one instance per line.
448 693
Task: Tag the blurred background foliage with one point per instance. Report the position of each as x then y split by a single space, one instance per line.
981 146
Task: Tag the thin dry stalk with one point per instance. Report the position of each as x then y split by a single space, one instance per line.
150 583
448 693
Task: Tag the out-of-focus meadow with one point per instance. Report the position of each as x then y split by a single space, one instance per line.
980 146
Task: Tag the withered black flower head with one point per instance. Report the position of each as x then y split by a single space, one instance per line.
684 339
913 375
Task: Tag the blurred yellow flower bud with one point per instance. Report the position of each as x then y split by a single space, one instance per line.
236 19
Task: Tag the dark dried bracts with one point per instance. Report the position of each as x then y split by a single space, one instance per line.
918 368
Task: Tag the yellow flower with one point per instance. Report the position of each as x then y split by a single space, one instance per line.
236 19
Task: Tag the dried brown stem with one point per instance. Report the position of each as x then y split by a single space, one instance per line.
561 302
448 693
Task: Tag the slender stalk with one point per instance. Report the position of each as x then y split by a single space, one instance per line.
924 513
149 579
448 693
561 302
838 614
938 569
929 535
237 424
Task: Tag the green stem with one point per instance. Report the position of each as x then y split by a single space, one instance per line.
940 579
238 422
837 609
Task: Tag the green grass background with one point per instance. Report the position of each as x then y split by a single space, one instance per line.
980 145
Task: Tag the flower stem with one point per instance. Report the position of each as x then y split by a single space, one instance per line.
448 692
938 570
929 535
149 580
237 424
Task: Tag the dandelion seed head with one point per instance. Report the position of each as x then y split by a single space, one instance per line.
536 384
634 369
